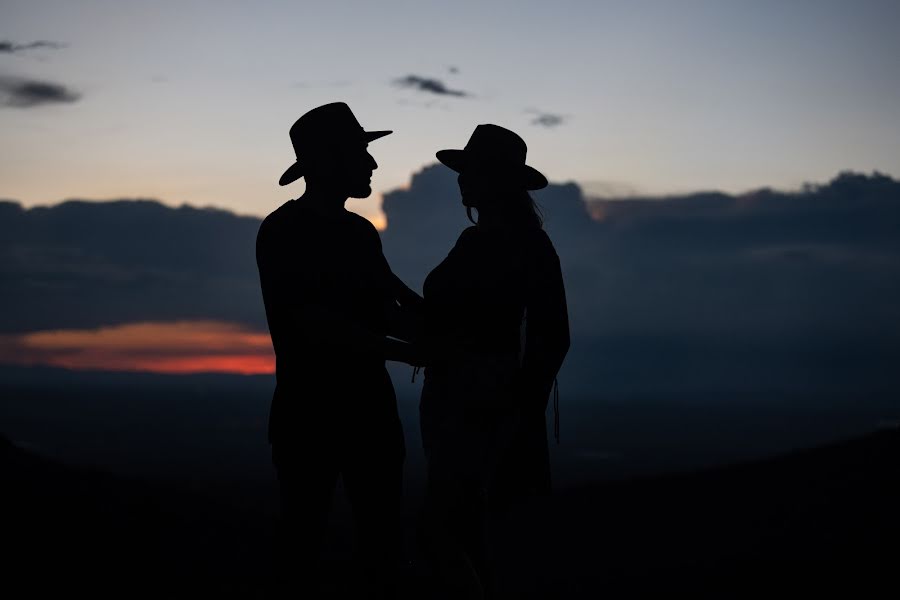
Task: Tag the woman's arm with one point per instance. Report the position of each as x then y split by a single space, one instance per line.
406 297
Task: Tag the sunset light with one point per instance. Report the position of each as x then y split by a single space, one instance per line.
173 347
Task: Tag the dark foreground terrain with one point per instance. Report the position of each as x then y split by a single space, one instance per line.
805 525
802 525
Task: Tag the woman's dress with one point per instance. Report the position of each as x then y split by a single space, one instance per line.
495 333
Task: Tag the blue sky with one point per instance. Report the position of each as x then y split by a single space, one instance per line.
190 102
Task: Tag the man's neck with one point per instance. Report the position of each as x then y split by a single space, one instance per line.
324 201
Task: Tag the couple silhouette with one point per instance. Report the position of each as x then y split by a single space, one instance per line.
491 331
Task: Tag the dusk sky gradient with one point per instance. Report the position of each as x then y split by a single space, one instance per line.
190 102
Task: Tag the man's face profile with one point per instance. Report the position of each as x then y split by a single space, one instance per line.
358 166
347 169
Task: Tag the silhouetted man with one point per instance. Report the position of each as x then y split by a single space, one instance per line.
329 296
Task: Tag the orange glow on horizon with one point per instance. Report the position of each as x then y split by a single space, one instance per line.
370 208
378 220
179 347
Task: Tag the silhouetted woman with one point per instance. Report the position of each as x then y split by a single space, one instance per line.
495 334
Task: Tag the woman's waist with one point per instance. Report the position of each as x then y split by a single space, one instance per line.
473 363
453 343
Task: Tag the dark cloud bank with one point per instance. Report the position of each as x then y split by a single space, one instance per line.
85 264
751 294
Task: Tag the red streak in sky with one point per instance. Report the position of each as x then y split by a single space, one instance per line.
176 348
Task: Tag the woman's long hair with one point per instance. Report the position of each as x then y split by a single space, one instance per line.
519 208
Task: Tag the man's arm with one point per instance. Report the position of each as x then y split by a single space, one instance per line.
320 328
404 306
328 330
405 314
404 295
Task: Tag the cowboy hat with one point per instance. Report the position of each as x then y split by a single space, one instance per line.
330 124
494 147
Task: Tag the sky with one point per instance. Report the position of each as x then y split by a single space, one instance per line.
191 101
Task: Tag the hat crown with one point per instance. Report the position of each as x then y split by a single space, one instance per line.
329 124
497 144
497 150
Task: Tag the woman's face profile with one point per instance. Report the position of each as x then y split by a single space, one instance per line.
476 188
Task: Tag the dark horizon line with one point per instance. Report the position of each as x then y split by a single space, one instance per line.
806 187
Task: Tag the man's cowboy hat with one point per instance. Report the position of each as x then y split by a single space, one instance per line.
327 125
494 147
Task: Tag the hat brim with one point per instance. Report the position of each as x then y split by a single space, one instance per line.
458 160
371 136
295 171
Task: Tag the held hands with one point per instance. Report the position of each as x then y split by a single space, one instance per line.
405 324
416 356
400 351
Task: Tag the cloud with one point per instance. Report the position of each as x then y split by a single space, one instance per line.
18 92
7 47
82 265
429 85
546 119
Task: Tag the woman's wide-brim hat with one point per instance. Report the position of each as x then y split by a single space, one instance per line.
329 125
495 148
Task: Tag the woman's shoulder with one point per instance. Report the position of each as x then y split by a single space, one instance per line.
468 232
467 236
538 241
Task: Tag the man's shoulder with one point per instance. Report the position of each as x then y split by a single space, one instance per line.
360 221
289 217
281 219
279 215
275 228
362 227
